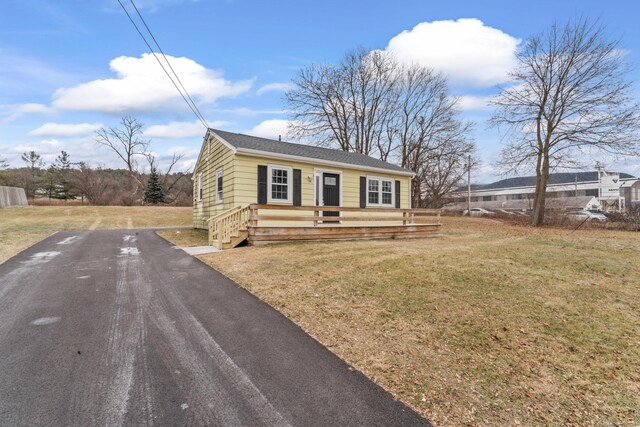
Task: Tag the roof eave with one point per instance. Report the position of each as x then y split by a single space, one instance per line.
223 141
204 144
311 160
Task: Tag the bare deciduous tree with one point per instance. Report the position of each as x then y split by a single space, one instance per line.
372 104
442 169
347 105
98 188
570 97
425 134
128 143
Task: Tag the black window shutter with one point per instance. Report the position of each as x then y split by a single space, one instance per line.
262 184
363 191
297 187
398 194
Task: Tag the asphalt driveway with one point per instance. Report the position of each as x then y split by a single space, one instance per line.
122 328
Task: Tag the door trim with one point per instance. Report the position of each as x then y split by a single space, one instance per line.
318 173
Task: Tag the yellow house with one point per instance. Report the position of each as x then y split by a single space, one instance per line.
236 171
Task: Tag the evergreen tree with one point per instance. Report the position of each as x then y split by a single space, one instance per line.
49 182
4 164
63 166
154 193
34 163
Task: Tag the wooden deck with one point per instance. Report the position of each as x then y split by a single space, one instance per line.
273 223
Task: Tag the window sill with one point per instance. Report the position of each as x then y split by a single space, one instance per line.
279 202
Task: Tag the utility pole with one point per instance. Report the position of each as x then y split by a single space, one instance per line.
469 185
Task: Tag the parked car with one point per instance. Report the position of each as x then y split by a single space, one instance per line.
586 215
513 213
607 214
478 212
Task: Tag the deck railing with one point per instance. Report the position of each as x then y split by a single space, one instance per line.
228 224
277 223
314 216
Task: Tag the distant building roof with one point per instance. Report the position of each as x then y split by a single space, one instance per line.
554 179
247 142
579 202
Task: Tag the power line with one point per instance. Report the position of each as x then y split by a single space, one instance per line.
167 60
192 106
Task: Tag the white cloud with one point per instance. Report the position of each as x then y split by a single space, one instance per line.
248 112
141 85
181 150
467 51
180 129
48 149
65 130
270 128
83 148
16 111
273 87
469 103
186 165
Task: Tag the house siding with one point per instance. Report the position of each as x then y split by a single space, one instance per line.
246 187
208 164
246 178
240 183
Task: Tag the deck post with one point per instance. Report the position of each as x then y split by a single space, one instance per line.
253 213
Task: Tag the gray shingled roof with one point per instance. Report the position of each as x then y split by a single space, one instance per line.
554 179
301 150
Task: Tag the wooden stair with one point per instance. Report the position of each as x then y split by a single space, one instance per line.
230 228
235 241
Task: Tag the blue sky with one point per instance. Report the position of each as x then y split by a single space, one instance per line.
70 66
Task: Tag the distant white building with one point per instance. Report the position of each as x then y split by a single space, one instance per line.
567 190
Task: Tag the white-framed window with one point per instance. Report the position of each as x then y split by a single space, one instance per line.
280 179
200 187
379 191
219 185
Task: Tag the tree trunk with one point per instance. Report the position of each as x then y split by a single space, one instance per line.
415 196
542 175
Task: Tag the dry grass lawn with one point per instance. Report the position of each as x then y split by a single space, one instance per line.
22 227
193 237
489 324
